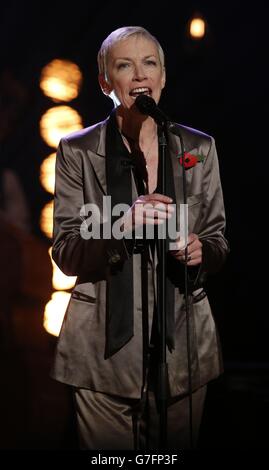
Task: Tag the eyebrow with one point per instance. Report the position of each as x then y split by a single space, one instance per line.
128 58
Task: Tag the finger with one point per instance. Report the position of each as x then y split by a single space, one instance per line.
159 206
142 214
154 214
152 222
195 247
192 238
191 262
196 255
162 207
150 208
194 262
158 197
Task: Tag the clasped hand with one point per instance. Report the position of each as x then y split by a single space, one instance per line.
154 209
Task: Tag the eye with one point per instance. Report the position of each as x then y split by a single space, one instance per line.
150 62
122 65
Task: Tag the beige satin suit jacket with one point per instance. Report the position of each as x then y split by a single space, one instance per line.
79 359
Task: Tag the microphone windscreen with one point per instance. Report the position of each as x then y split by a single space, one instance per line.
145 104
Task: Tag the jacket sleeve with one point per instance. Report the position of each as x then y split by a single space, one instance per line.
75 255
212 221
209 223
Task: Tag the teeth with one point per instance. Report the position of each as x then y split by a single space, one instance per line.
139 90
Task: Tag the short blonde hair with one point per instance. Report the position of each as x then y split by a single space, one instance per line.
117 36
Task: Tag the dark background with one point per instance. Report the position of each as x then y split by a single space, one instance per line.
217 85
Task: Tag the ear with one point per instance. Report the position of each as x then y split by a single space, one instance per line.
163 78
106 88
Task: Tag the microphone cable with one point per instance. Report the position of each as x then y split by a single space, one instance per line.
187 298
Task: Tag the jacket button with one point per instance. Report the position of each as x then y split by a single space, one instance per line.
115 258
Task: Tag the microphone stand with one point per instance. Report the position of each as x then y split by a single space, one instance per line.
161 304
147 105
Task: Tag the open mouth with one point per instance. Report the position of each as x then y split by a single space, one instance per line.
140 91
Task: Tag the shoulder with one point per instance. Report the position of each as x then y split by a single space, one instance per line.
194 138
87 137
194 133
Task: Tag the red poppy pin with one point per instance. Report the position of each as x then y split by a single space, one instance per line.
190 160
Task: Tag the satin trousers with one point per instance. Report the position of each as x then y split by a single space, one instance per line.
107 422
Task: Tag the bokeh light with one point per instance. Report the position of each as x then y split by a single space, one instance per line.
59 280
197 28
57 122
54 312
47 173
61 80
46 219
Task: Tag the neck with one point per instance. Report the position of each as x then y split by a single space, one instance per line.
136 127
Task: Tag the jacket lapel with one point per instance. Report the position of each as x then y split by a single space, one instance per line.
96 153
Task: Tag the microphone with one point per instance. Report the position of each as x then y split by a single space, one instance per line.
146 105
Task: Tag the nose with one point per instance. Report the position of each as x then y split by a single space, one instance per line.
139 73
